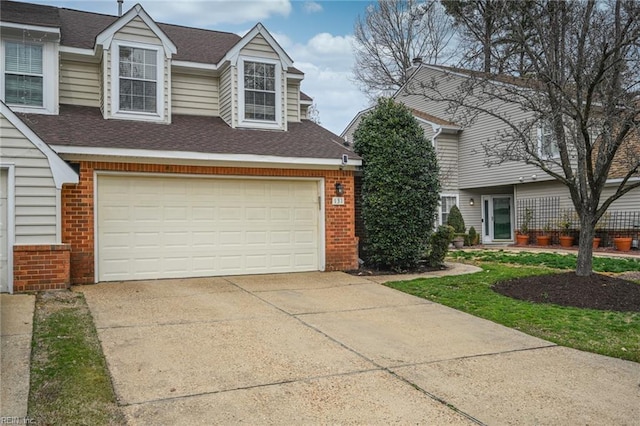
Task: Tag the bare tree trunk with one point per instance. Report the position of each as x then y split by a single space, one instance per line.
585 245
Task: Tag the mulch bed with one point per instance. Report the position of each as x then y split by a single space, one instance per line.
567 289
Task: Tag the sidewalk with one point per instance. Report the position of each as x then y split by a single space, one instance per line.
16 326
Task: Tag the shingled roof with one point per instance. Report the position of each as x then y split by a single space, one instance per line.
79 29
78 126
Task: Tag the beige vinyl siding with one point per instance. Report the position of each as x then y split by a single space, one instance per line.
107 81
472 171
283 96
226 96
304 112
35 191
79 83
293 102
167 90
103 86
629 201
447 151
194 94
259 48
136 30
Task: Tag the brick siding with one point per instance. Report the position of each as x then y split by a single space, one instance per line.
41 267
341 251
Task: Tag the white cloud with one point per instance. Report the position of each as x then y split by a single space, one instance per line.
327 62
312 7
207 14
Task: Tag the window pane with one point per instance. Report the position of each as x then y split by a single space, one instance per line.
23 90
138 89
23 58
260 91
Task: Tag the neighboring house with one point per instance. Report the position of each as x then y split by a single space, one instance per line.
492 199
132 149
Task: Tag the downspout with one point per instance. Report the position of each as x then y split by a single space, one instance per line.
437 129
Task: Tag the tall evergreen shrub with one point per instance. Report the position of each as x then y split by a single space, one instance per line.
400 189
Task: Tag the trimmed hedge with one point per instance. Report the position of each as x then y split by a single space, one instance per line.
400 190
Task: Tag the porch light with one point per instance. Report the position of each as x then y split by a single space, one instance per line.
471 202
339 189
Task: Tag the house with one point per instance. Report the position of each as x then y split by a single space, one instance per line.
132 149
494 200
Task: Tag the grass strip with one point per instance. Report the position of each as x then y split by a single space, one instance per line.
70 382
551 260
615 334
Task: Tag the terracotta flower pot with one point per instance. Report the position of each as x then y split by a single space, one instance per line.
522 240
544 240
566 240
596 242
622 243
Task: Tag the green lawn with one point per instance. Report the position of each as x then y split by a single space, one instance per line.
70 384
551 260
615 334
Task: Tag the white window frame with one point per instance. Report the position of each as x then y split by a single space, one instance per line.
252 123
115 83
541 153
456 196
49 77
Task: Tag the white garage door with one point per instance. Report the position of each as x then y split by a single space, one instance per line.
170 227
4 238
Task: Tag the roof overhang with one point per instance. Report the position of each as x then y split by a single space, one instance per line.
105 38
233 54
75 152
60 170
11 29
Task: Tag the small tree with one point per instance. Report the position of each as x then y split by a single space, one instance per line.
456 220
400 190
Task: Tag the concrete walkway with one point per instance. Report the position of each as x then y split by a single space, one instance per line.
16 320
333 348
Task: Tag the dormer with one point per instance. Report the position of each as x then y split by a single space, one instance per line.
136 68
29 66
253 82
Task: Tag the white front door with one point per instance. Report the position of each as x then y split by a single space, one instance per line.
4 234
497 218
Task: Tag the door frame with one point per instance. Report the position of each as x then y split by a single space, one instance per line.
11 230
489 237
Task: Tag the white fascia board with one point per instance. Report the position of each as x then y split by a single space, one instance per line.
292 76
233 53
60 170
105 38
32 28
353 120
77 51
195 65
436 126
184 155
305 102
618 181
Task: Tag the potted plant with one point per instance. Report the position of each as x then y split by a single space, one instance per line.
566 224
623 243
522 238
473 236
456 221
545 238
599 230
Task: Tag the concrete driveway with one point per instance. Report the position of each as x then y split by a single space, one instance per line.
334 348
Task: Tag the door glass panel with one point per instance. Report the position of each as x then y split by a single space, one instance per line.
502 218
487 218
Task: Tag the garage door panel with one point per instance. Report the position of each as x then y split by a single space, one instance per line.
159 227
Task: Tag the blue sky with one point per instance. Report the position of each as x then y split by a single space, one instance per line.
316 34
